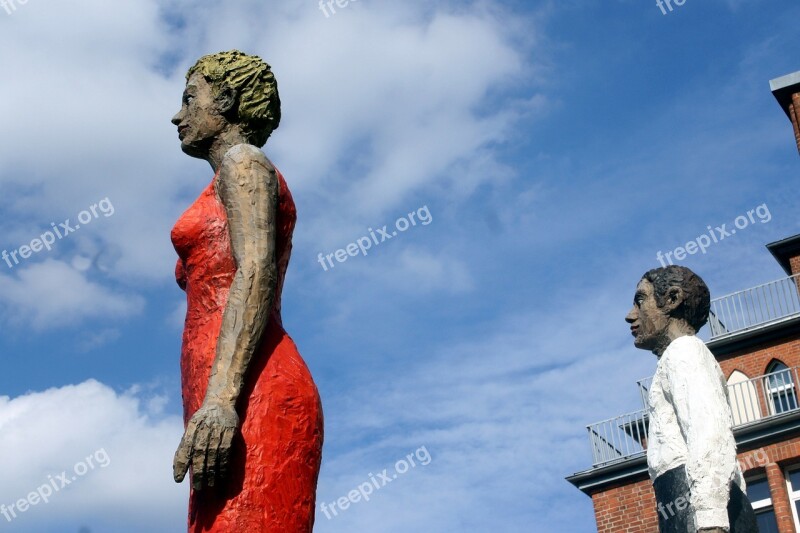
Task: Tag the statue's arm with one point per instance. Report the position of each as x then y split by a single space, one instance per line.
248 188
703 414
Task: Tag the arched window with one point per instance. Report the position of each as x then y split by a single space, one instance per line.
779 384
743 397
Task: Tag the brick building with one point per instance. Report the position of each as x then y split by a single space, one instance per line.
787 91
755 336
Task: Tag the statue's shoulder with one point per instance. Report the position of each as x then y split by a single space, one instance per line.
686 353
243 155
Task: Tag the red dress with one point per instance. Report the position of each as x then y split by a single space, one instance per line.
275 463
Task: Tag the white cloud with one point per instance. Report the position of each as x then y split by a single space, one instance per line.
379 102
52 294
43 434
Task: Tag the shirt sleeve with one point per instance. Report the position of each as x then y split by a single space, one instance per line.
704 417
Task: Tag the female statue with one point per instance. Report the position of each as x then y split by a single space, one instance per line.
254 429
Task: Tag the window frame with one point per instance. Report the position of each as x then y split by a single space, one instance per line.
760 504
794 495
779 393
766 504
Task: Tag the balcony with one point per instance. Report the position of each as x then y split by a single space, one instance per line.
755 308
752 401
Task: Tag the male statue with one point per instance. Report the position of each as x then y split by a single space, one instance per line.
691 452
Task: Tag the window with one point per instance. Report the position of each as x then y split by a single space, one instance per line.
780 387
743 397
759 495
793 485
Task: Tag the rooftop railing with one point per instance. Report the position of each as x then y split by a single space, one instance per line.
755 307
752 401
618 438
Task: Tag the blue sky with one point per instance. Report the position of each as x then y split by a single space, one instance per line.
558 146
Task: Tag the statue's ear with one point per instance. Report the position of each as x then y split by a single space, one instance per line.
226 98
674 299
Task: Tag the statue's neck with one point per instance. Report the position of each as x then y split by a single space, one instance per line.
226 140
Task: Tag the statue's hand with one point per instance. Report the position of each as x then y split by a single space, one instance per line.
206 445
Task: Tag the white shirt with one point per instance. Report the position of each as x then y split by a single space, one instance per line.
691 425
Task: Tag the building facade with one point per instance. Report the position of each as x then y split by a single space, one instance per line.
755 337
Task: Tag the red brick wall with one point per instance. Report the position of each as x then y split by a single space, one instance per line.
794 264
753 362
626 509
631 508
794 112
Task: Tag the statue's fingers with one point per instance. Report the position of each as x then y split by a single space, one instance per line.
180 464
212 469
225 451
199 451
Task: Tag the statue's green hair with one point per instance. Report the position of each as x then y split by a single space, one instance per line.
259 106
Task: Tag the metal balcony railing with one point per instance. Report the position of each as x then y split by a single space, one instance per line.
618 438
644 389
757 399
752 401
755 307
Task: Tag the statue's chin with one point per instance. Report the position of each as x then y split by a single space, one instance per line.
192 150
640 344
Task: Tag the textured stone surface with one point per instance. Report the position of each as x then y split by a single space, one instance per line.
691 426
276 458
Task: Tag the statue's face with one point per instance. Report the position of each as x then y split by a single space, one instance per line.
648 321
200 120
